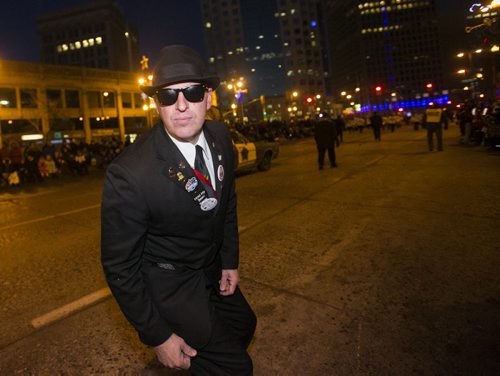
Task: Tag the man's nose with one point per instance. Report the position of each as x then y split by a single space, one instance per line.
182 103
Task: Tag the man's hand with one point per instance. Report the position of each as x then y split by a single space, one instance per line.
175 353
228 281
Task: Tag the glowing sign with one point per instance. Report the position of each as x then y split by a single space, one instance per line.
473 7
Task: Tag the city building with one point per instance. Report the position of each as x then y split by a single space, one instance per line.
385 54
56 103
305 51
95 35
477 60
272 48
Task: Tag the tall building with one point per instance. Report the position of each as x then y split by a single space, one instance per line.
95 35
224 38
277 46
263 44
304 46
389 50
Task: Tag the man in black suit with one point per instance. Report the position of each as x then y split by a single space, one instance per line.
325 135
169 228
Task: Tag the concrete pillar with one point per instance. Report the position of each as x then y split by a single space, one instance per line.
86 119
119 114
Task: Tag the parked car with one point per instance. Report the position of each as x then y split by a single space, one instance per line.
250 155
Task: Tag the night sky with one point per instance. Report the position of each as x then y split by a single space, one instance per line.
159 22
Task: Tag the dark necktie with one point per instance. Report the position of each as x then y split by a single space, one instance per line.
199 163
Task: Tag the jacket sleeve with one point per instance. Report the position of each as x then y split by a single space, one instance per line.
124 223
230 244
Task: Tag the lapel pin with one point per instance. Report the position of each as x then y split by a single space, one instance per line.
220 173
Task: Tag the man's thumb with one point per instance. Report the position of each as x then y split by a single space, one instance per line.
188 350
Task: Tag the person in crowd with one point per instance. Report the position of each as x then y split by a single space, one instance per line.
81 163
16 155
433 121
31 170
339 127
42 167
376 124
169 239
325 135
51 166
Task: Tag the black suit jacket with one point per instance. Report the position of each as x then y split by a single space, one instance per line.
149 217
325 133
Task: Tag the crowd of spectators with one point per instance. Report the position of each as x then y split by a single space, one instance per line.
276 129
30 162
479 123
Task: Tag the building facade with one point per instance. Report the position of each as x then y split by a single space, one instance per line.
278 47
385 54
94 35
69 102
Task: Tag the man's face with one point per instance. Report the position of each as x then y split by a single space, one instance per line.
183 119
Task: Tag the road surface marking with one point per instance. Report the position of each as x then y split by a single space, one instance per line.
49 217
70 308
374 161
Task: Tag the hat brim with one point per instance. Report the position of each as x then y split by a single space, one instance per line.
211 82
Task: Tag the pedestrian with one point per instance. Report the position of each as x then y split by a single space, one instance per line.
433 120
339 127
325 135
170 245
376 124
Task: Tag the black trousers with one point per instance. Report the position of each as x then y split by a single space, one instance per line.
321 155
233 329
434 128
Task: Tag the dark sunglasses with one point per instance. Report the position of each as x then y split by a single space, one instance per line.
194 94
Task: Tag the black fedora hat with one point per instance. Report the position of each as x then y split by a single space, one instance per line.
178 63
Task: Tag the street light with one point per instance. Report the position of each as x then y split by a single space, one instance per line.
239 90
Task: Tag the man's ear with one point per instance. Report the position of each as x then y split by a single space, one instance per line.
157 105
209 99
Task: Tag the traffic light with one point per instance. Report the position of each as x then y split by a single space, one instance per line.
429 86
309 100
378 88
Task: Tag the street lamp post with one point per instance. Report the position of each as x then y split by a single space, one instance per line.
239 91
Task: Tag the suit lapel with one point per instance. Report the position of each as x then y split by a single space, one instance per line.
218 162
177 169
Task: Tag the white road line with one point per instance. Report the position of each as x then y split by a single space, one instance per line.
70 308
10 196
374 161
49 217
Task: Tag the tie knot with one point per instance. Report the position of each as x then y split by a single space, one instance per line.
199 163
199 151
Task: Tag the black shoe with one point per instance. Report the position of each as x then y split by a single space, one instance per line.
333 165
320 167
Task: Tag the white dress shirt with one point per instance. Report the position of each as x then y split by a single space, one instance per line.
188 150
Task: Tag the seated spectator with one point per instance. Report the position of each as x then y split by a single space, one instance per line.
51 166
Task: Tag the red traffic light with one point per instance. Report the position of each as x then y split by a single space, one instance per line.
378 89
428 86
309 99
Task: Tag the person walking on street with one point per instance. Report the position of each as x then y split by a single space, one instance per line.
169 237
339 127
433 120
325 135
376 124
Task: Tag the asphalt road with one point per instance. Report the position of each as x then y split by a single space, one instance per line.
387 265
